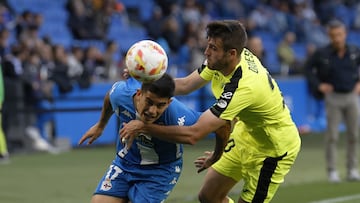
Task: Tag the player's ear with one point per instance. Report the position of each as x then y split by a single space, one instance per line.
233 52
138 92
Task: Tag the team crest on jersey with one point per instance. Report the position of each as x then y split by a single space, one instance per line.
106 185
181 121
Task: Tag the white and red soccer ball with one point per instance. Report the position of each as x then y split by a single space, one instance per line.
146 61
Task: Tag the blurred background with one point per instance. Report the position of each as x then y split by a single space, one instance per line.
60 57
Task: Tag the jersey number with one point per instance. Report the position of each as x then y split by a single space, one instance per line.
230 145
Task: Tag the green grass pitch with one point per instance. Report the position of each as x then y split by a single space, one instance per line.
71 177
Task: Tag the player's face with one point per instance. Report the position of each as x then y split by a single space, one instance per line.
217 58
337 37
150 106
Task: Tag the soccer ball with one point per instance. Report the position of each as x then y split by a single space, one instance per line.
146 61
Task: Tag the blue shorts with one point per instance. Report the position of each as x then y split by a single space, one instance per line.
141 184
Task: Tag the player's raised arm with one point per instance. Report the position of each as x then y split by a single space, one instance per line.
189 83
96 130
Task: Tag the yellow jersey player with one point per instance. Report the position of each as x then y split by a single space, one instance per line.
264 142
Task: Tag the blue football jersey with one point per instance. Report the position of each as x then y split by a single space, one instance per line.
146 149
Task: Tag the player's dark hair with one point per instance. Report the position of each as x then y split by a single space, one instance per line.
231 32
163 87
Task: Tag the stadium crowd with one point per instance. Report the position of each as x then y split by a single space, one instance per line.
39 64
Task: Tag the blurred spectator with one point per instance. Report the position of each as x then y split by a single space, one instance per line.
60 71
166 6
80 17
20 76
89 19
255 45
305 10
13 63
13 117
102 11
6 17
155 23
74 62
38 98
93 65
121 11
325 10
232 9
30 37
315 33
187 56
282 19
23 22
259 18
110 58
4 43
172 33
303 14
47 61
356 22
38 19
190 12
333 75
287 58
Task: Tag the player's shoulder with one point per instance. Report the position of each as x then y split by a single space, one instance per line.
179 112
123 87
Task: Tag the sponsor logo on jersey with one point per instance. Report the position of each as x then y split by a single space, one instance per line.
227 95
222 103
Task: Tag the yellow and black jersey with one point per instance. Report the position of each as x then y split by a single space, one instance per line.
252 96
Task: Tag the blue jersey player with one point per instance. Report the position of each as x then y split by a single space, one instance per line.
147 170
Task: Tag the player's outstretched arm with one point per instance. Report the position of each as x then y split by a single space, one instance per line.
206 124
96 130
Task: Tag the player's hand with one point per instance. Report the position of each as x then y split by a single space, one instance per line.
125 73
204 162
130 130
92 134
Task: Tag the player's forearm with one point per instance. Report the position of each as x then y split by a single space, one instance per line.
181 87
222 136
175 134
106 112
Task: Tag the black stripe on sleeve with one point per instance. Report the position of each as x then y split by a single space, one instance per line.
201 68
221 104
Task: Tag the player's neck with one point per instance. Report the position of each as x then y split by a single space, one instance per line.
230 68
